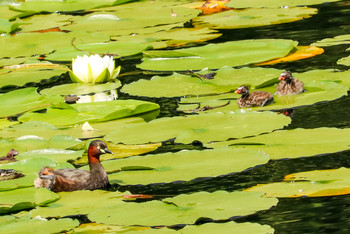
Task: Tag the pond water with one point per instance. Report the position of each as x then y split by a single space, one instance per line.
326 214
291 215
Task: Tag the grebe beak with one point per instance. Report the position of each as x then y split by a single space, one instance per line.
106 151
238 91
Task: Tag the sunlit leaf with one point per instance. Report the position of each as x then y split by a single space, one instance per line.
205 128
232 53
10 224
183 209
253 17
58 155
182 166
295 143
344 61
227 228
317 183
275 3
102 228
337 40
20 199
68 204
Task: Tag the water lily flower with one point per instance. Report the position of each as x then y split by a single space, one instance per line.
93 69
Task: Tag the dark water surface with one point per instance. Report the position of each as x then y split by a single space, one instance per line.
291 215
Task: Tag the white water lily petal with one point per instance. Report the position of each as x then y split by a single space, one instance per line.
87 69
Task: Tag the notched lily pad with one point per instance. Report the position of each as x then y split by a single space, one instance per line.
183 209
317 183
205 128
20 199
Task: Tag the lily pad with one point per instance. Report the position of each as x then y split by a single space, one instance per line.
119 49
317 183
103 111
54 6
59 155
102 228
11 224
253 17
22 100
234 53
68 204
7 27
337 40
20 199
22 182
28 44
295 143
80 88
44 21
34 165
344 61
227 228
342 77
181 166
205 128
173 86
275 3
183 209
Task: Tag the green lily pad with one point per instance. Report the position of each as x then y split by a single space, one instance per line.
253 17
227 228
57 5
299 143
22 100
337 40
59 155
80 88
4 123
7 27
20 199
22 77
28 44
169 38
317 183
22 182
212 56
181 166
44 22
205 128
173 86
275 3
103 111
11 224
183 209
102 228
68 204
344 61
119 49
12 61
342 77
34 165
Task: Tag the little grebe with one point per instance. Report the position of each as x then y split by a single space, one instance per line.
257 98
76 179
289 85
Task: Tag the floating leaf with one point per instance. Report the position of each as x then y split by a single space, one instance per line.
213 6
59 155
317 183
182 166
46 21
295 143
22 182
275 3
102 228
183 209
68 204
173 86
103 111
79 89
28 44
337 40
234 53
119 49
34 165
227 228
253 17
205 128
7 27
20 199
10 224
344 61
302 52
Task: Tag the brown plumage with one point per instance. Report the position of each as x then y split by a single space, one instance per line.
289 85
76 179
257 98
